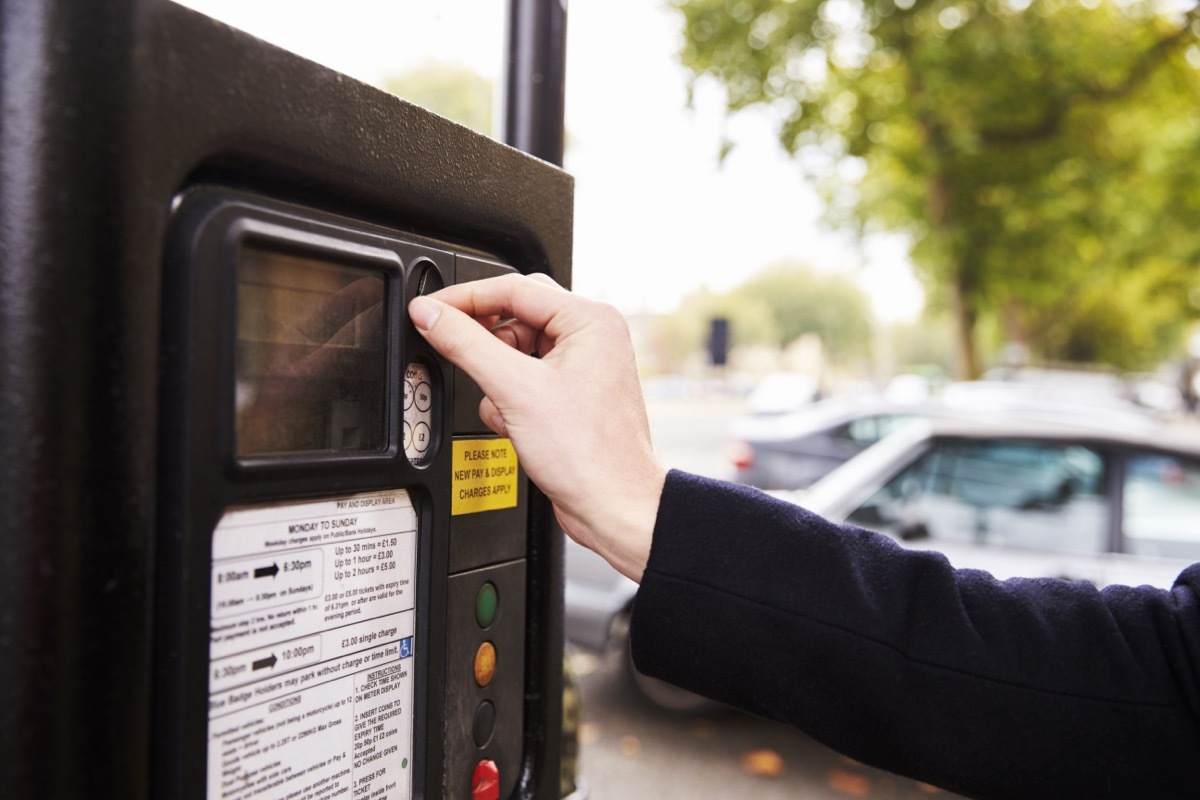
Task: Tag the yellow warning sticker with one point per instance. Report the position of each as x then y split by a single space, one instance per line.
485 475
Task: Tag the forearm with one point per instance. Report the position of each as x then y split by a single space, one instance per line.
1022 688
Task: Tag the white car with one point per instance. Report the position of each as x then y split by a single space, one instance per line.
598 601
794 450
1038 498
1080 502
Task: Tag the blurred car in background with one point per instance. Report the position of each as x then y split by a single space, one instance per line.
596 594
598 602
994 479
792 451
1029 498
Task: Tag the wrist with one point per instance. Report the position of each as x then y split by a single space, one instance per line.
621 526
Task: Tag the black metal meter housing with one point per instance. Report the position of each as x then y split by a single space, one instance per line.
256 541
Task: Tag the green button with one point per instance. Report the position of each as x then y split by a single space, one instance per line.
485 604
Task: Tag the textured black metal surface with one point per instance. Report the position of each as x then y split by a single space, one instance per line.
467 394
109 110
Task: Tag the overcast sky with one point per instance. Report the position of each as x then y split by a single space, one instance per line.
655 215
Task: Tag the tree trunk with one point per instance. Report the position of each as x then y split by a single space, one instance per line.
964 327
942 223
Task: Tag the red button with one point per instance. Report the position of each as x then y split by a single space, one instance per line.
485 783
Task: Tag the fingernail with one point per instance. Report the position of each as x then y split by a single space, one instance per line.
498 425
423 312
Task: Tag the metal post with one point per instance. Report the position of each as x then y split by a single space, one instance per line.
535 78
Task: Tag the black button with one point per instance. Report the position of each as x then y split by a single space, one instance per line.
484 723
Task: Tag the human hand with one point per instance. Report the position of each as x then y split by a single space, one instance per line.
576 415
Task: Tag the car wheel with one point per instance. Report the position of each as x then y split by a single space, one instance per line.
660 693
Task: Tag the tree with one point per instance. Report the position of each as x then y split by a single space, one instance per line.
799 301
1032 149
776 307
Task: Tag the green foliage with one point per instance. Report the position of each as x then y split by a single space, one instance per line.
778 306
1038 153
453 91
796 301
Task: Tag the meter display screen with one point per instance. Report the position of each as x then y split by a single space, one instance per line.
310 362
311 653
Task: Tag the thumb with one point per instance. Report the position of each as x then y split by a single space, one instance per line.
468 345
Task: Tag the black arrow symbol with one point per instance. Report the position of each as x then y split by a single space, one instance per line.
267 572
265 663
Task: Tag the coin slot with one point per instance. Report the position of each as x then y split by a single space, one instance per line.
429 279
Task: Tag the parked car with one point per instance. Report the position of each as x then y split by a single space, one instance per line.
595 596
1075 501
1085 499
598 602
794 450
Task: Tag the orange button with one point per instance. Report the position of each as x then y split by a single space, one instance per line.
485 663
485 783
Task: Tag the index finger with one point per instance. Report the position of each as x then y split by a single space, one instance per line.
533 300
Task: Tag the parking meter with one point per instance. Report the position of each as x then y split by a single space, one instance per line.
258 543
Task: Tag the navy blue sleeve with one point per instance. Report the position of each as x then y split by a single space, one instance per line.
1020 688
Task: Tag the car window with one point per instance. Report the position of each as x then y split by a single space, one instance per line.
1018 494
870 429
1161 505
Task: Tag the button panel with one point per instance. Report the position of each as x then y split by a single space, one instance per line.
485 675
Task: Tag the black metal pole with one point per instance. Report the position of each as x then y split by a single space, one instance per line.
535 78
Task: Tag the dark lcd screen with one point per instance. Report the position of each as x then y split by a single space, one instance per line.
310 364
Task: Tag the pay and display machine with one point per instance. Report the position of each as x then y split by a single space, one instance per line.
257 543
